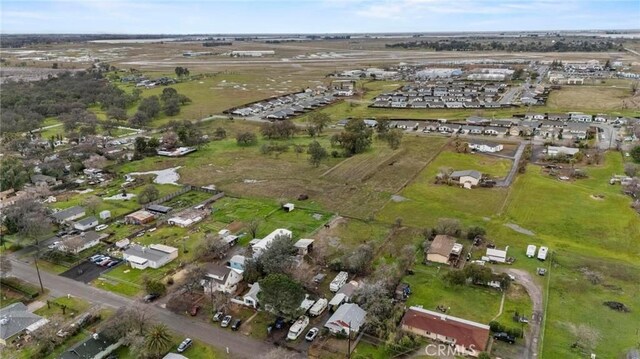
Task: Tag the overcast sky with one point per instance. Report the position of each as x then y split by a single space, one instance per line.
313 16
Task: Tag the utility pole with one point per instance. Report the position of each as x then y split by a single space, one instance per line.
349 341
35 257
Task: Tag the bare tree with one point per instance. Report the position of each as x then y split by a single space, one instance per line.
92 203
253 227
194 275
95 161
449 226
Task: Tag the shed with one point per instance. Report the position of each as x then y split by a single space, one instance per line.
139 217
497 255
156 208
304 246
105 214
288 207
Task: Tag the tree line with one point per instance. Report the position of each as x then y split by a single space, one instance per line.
512 46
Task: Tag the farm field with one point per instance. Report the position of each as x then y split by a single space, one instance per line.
425 201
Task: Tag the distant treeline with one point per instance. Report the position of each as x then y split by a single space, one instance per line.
512 46
216 43
15 41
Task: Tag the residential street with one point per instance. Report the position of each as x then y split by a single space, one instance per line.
239 346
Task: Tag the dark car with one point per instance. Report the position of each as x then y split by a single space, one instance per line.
279 324
504 337
184 345
236 324
150 297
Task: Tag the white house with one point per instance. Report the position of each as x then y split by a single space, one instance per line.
78 243
556 150
68 214
485 146
16 319
467 178
349 318
260 245
105 214
497 255
86 223
154 256
220 279
250 299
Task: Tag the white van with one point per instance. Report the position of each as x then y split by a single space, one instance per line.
298 327
531 251
101 227
542 253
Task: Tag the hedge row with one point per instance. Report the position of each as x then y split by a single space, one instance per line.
498 328
20 286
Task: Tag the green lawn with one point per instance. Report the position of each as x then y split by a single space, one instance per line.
198 350
427 201
74 306
429 290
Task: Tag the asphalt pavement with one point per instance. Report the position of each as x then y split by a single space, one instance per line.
238 345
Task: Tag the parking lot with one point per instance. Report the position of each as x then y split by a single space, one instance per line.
85 272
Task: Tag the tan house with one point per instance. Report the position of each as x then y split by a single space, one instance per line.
467 178
466 337
440 249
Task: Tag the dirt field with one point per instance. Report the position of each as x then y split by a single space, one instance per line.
594 98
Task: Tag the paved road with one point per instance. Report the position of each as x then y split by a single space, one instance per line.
514 167
535 292
240 346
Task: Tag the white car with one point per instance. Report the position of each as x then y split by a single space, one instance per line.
53 245
101 227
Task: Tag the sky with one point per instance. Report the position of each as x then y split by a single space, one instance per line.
312 16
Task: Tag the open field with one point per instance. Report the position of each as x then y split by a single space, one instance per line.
426 201
595 98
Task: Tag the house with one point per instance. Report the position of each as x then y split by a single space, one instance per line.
304 246
68 214
139 217
154 256
260 245
220 279
86 223
496 131
553 151
96 347
237 262
497 255
158 209
180 151
575 130
349 318
468 338
515 131
16 319
440 249
344 294
558 117
467 178
187 217
80 242
485 146
251 298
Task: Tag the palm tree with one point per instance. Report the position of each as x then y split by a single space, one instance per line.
158 340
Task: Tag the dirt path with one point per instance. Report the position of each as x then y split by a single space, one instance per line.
535 292
504 294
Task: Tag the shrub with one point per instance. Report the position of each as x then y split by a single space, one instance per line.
496 327
20 286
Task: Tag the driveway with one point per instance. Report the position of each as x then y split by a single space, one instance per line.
85 272
239 346
535 292
514 167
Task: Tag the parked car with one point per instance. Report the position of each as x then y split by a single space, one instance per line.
504 337
542 271
101 227
279 324
106 263
225 322
218 316
103 260
95 257
194 310
54 245
150 298
113 263
184 345
311 334
236 324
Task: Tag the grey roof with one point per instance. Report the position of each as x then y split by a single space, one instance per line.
67 213
483 142
217 270
145 252
348 314
18 318
470 173
88 349
42 178
158 208
88 236
87 221
348 289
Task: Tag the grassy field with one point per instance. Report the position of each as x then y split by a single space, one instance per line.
594 98
426 202
73 305
198 350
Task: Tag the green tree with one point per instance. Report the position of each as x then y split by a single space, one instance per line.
356 137
278 257
154 286
171 106
149 194
455 277
220 133
139 119
635 154
13 174
394 138
317 153
246 139
158 340
150 106
319 120
281 293
117 113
